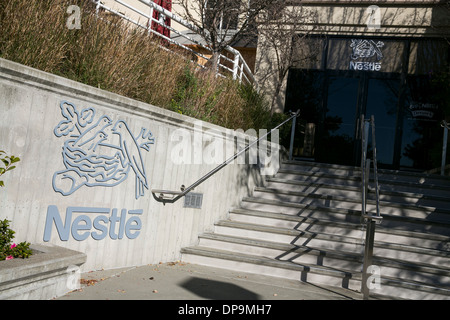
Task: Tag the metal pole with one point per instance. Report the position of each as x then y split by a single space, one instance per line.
364 171
369 219
366 137
368 253
291 146
375 165
444 147
366 183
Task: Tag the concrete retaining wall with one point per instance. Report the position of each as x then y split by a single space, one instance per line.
50 272
87 168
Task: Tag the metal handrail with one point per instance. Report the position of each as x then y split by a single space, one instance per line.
375 167
370 219
366 165
168 196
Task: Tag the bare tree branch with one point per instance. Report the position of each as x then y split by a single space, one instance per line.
222 23
284 35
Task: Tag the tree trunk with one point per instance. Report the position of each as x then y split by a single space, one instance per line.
214 62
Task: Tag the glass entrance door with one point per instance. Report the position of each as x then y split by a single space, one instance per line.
347 99
382 102
338 131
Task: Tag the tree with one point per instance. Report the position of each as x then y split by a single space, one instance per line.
222 23
284 42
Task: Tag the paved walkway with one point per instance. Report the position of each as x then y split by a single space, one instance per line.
181 281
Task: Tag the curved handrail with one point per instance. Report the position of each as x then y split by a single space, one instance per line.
370 219
168 196
365 167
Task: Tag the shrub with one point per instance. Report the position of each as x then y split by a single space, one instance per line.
9 250
111 54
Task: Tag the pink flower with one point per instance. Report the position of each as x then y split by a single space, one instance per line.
13 246
9 258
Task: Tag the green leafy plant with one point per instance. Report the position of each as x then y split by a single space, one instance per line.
7 164
8 249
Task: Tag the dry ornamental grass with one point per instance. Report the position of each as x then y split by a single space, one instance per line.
108 53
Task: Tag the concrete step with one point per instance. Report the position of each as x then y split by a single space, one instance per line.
282 251
348 243
395 176
345 242
430 223
305 224
320 167
300 209
427 274
354 203
385 234
351 176
294 222
411 290
245 262
239 261
386 194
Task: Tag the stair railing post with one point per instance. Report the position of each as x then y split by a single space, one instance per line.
291 145
364 172
366 183
375 167
369 219
444 146
368 253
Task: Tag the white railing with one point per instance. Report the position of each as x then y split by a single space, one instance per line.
235 66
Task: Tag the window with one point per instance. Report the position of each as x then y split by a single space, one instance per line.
222 14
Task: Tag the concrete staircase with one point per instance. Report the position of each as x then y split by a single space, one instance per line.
305 225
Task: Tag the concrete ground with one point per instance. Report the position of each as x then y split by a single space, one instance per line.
181 281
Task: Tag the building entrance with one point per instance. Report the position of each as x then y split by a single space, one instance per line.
387 78
348 98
